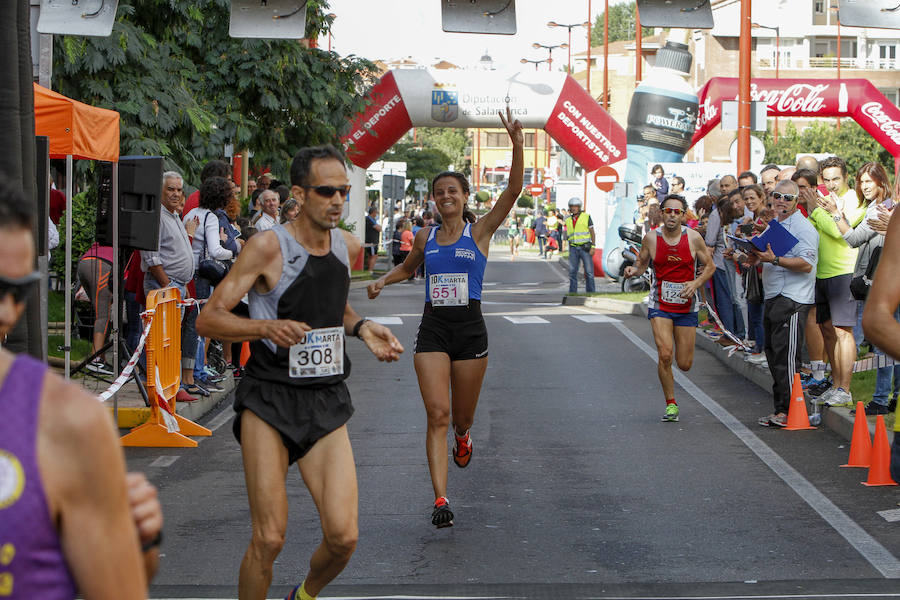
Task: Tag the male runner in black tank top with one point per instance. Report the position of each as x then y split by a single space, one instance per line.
294 408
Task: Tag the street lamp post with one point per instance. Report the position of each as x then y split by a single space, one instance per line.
569 28
550 50
533 62
331 16
777 31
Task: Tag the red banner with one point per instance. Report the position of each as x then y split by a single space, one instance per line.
586 131
854 98
384 122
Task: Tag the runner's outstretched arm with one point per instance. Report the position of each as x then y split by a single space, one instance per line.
488 224
260 261
879 324
404 270
378 338
643 259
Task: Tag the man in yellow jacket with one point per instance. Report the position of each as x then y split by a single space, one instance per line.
580 234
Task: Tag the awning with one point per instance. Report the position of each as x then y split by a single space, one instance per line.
75 128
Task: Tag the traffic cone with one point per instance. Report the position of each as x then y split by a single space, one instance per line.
861 444
798 418
880 471
245 353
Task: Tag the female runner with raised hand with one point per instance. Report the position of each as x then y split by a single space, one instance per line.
452 343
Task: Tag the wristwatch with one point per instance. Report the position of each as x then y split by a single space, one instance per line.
837 218
775 261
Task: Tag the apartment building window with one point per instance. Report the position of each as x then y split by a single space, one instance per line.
819 15
892 94
828 48
501 140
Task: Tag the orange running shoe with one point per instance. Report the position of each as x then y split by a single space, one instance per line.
462 449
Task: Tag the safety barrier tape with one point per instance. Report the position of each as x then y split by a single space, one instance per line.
739 343
125 375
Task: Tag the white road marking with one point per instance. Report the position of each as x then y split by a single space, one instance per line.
878 556
596 319
387 320
891 516
164 461
220 419
526 320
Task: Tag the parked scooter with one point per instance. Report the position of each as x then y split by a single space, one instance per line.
631 236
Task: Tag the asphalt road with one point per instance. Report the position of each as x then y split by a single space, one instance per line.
576 489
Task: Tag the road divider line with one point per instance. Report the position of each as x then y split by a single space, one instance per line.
877 555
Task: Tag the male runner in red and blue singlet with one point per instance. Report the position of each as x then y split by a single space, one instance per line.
674 251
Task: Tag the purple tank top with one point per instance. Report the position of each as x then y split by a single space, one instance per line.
31 560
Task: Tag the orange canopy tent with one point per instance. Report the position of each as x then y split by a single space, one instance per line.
77 130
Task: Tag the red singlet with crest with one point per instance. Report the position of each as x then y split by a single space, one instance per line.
673 266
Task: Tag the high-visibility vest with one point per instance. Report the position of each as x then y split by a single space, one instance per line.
578 233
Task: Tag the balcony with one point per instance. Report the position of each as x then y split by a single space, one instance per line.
831 62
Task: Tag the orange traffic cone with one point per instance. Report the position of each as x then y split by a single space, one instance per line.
798 418
880 471
860 445
245 353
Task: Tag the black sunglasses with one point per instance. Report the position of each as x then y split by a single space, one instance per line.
788 197
329 191
18 288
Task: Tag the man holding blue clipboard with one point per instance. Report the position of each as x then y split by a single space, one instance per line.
789 280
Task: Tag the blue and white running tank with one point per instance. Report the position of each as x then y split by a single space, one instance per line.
453 273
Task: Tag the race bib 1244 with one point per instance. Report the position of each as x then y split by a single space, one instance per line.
670 292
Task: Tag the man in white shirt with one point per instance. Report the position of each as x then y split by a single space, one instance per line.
789 284
268 217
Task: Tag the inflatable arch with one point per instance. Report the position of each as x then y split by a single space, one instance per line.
854 98
554 102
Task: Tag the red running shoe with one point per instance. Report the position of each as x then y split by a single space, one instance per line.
442 516
462 449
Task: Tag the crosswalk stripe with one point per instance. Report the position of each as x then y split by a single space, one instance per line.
595 318
526 320
387 320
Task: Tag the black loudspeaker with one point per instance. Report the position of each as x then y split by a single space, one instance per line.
140 189
42 179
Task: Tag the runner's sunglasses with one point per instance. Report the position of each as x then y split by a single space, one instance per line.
788 197
673 211
329 191
18 288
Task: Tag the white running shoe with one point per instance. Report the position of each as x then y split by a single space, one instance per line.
838 397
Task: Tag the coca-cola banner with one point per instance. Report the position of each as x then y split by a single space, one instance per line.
472 99
855 98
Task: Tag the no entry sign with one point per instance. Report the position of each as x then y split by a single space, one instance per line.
605 177
535 189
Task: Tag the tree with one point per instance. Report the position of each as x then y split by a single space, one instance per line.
851 143
621 25
184 88
450 141
421 163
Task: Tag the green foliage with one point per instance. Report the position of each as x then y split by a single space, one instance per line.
184 88
450 141
621 24
482 196
351 227
525 201
851 143
84 221
421 163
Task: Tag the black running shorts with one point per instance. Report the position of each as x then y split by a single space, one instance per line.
302 415
458 332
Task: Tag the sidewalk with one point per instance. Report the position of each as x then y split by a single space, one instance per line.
838 419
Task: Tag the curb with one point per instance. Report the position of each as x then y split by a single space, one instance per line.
131 416
837 419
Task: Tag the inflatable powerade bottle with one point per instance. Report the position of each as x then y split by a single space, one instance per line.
661 123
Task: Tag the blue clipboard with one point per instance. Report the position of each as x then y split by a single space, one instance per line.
781 239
